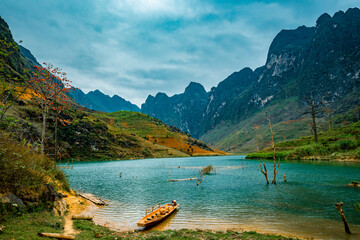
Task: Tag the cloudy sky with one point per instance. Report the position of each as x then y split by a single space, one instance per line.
134 48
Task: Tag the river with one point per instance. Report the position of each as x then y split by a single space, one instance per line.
237 196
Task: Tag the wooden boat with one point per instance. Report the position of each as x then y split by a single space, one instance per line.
157 214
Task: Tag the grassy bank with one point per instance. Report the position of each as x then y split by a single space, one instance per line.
28 225
341 143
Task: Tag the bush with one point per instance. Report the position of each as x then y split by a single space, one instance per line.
344 144
357 152
9 209
304 151
23 171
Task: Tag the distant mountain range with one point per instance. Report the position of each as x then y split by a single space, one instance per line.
96 100
321 61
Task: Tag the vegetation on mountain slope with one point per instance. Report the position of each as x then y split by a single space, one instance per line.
342 143
95 136
87 135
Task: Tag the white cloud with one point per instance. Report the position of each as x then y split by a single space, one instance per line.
140 47
160 8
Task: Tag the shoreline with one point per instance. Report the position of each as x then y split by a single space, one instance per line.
28 226
308 159
90 208
314 159
130 159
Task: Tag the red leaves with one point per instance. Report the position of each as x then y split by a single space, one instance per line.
51 86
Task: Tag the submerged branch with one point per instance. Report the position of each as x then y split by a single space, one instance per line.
185 179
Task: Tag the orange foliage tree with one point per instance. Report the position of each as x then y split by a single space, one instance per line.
51 87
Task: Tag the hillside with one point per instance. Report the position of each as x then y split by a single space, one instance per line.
159 133
321 61
341 143
85 135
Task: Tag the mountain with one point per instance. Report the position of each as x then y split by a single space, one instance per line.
95 100
87 135
182 110
28 58
98 101
321 61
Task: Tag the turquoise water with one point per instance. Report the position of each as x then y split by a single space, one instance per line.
237 196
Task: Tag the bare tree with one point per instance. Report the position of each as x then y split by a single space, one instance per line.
313 109
264 172
204 171
276 169
328 111
343 218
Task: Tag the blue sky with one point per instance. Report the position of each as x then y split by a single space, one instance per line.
134 48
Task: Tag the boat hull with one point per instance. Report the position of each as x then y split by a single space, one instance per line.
145 222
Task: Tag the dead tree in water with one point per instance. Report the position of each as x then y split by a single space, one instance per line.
346 225
276 169
264 172
204 171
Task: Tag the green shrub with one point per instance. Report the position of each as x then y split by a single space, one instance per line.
342 145
319 150
304 151
347 144
357 152
23 171
8 209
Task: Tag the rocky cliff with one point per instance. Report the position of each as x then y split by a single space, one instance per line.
321 61
182 110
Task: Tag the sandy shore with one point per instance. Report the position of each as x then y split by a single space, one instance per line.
76 206
80 206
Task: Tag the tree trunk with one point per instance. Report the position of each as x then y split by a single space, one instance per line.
43 130
56 235
346 225
313 114
276 169
264 172
55 140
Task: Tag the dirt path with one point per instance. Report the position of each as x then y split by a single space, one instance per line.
76 206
